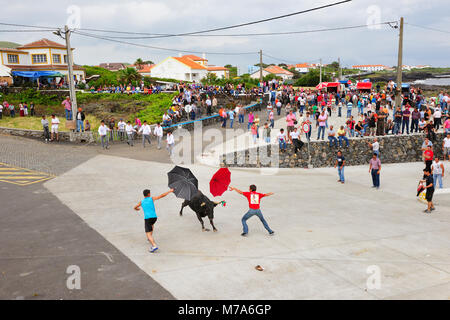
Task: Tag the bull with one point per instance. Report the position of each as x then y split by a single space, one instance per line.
203 207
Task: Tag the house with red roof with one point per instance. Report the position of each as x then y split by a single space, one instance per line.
187 68
41 55
274 70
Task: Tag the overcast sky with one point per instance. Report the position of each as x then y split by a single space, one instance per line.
359 46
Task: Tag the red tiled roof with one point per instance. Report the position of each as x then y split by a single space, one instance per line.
11 50
147 68
369 65
194 57
190 63
215 68
15 67
43 43
277 70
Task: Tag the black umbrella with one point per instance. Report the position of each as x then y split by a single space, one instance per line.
183 182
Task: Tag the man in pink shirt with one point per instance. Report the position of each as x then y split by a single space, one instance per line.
322 124
290 119
447 126
68 108
251 119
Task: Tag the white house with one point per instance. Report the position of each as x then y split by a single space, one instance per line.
41 55
186 68
276 71
370 67
302 67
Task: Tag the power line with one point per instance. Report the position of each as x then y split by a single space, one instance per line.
237 25
162 48
428 28
268 33
26 26
45 30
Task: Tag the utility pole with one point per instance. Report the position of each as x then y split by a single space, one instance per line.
320 71
261 66
340 69
73 96
398 95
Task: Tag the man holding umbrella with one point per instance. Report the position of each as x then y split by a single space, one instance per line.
148 205
254 199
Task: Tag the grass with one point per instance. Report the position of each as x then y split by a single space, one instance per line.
34 123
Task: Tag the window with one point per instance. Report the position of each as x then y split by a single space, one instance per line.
65 58
56 58
13 58
39 58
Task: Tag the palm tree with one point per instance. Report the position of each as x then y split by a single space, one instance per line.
129 75
139 63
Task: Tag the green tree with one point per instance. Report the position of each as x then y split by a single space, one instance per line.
311 79
211 78
233 71
139 63
129 75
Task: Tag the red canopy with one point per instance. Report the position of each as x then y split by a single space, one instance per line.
324 85
364 85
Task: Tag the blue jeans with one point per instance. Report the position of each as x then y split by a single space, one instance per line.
241 118
68 114
437 178
349 113
80 125
361 110
343 138
231 123
251 213
249 125
341 173
282 145
405 124
375 178
340 112
397 126
321 129
272 123
333 141
267 139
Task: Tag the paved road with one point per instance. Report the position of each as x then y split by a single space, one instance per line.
41 238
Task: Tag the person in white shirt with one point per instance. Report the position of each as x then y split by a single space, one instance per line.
146 131
121 125
282 140
170 143
130 133
103 132
437 170
446 147
55 125
158 132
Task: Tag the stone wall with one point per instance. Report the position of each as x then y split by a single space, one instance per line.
394 149
74 137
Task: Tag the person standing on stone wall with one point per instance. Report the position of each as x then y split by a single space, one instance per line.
381 122
375 146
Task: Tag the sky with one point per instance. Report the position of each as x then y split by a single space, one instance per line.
366 45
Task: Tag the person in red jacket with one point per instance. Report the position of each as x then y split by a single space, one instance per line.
254 200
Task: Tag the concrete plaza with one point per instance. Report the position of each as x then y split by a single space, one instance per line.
327 237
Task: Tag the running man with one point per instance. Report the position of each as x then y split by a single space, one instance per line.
254 199
148 205
429 187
